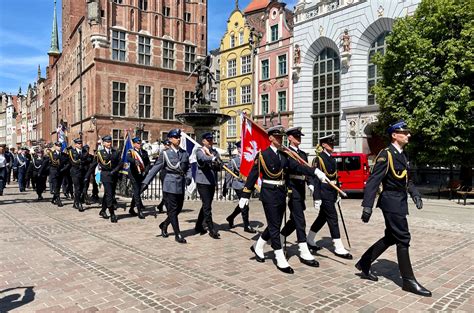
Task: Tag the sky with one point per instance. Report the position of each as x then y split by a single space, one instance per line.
25 36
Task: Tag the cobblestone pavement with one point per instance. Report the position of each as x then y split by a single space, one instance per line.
78 262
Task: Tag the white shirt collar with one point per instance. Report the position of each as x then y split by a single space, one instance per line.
294 148
327 152
174 149
399 149
273 148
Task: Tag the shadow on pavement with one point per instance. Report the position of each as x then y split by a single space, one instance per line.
13 301
389 270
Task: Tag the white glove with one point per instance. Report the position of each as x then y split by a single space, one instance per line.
311 187
338 200
320 175
317 204
243 202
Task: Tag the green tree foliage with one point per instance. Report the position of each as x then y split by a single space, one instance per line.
427 80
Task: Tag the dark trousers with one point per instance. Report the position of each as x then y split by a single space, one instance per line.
327 213
78 183
206 192
136 196
22 180
3 178
40 184
174 205
56 182
67 184
238 210
297 220
274 205
9 172
109 194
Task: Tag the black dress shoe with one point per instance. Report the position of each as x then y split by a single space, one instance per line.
214 234
179 238
103 214
113 218
249 229
411 285
81 208
259 259
40 197
132 212
366 274
230 221
312 263
314 247
164 231
140 214
59 203
347 256
287 270
53 201
200 231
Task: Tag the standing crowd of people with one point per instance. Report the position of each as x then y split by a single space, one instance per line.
285 177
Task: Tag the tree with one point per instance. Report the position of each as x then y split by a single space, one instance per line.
427 79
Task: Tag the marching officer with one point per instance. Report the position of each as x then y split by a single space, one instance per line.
20 165
77 172
166 143
174 163
209 162
238 186
110 164
391 169
274 164
139 166
40 180
55 163
296 200
325 198
87 160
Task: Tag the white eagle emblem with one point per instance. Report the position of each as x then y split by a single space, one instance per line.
251 151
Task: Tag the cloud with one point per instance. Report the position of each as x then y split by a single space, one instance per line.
11 38
15 62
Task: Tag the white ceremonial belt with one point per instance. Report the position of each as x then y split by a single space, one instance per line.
274 182
299 177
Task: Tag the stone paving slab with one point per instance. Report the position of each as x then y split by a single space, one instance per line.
77 262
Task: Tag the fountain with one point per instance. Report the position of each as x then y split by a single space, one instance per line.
202 119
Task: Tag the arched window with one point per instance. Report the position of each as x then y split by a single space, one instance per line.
326 95
378 46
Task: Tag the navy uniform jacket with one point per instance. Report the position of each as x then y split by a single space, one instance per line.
395 182
56 163
206 173
133 171
109 164
234 165
328 165
297 185
176 168
21 162
77 161
278 164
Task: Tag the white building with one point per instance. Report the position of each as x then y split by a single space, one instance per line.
335 70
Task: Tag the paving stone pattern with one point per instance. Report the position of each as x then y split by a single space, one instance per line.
77 262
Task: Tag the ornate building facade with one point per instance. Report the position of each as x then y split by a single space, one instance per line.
337 41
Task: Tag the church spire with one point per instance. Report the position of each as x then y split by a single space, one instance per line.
54 50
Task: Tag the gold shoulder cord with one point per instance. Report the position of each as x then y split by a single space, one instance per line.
53 161
72 159
390 162
101 160
267 171
321 162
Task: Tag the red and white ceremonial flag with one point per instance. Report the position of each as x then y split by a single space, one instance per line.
254 139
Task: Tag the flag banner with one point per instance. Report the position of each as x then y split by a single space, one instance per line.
190 145
127 145
254 139
97 175
62 138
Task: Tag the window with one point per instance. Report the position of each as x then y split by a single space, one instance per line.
264 101
119 96
214 94
231 96
232 41
378 46
189 58
241 38
166 11
168 54
144 101
145 135
188 101
246 64
118 45
274 30
231 68
326 95
232 127
144 50
117 1
245 94
168 104
117 139
187 16
282 65
265 69
143 4
281 101
218 75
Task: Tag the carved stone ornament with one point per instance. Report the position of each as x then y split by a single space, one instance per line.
380 11
321 30
264 87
